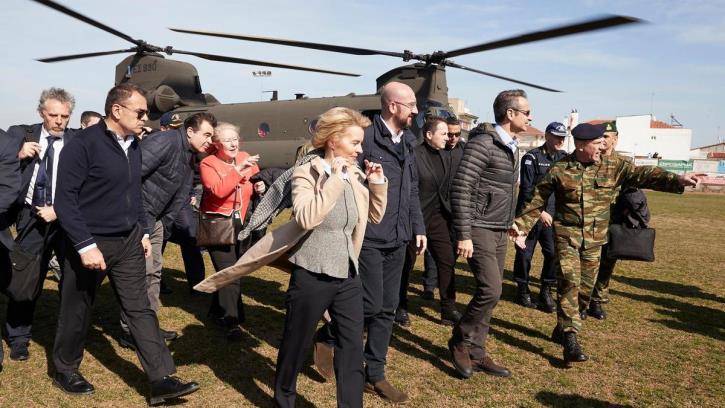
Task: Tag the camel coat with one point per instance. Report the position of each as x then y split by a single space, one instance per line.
314 194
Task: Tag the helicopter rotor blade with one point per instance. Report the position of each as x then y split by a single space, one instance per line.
293 43
87 55
454 65
569 29
222 58
65 10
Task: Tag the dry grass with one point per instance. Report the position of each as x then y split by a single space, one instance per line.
662 345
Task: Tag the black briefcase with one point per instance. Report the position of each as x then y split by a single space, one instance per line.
24 281
631 244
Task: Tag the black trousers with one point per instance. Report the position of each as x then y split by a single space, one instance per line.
126 269
31 229
308 296
522 263
380 272
487 263
183 233
227 303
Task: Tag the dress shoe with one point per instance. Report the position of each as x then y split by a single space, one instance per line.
19 352
597 311
572 350
169 335
545 302
557 336
170 387
428 295
386 391
450 317
523 297
489 367
322 358
402 318
73 383
235 333
461 358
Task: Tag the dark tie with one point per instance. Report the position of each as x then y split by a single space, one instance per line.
43 192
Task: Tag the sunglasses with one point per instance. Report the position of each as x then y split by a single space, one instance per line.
140 113
454 134
524 112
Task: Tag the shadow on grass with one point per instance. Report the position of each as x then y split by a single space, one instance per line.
690 318
552 399
672 288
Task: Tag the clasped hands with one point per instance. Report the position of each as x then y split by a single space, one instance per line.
517 236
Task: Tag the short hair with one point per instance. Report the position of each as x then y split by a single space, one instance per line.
504 101
333 122
88 115
59 94
121 93
452 120
194 121
431 122
222 127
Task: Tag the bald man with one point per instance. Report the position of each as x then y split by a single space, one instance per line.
389 142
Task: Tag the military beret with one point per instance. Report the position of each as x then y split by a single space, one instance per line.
587 131
610 126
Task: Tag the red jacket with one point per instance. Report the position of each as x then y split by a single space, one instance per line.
225 189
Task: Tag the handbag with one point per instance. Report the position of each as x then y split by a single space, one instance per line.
215 230
631 244
24 281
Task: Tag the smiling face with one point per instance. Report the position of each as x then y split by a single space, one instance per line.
201 139
589 151
348 144
55 116
438 136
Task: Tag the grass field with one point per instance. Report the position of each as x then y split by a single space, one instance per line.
662 345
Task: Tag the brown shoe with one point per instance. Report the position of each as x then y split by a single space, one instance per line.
386 391
322 356
461 358
489 367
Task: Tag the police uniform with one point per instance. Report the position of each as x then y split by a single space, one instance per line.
584 194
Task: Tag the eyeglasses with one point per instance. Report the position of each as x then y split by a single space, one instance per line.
525 112
140 113
410 105
454 134
229 140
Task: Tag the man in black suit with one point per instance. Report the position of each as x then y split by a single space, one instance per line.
34 215
100 207
9 190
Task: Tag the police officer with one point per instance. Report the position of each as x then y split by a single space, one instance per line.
584 184
534 165
631 209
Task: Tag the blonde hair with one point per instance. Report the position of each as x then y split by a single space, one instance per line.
333 122
224 126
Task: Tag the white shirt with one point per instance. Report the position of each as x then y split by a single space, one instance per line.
507 139
395 137
57 147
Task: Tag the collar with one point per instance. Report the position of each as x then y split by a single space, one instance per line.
396 137
509 141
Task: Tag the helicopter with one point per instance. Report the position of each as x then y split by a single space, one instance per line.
282 126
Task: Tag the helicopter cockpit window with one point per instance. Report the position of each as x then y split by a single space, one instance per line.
263 129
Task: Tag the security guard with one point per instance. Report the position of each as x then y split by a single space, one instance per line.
534 165
585 185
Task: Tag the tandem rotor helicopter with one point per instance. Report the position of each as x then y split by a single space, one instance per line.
284 125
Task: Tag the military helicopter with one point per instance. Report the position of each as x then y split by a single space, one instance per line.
281 126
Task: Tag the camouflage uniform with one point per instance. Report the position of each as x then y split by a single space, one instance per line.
584 195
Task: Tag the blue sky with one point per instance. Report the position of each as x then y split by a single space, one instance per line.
674 64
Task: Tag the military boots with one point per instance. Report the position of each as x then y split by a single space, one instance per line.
546 303
572 350
597 311
523 296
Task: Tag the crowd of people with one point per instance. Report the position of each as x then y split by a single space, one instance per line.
367 197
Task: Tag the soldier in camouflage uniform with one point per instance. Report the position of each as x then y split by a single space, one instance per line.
585 184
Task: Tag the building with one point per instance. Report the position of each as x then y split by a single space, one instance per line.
530 139
714 151
468 120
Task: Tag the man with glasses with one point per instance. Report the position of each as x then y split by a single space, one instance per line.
33 212
167 175
483 201
100 206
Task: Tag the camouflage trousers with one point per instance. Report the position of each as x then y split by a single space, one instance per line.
575 277
606 269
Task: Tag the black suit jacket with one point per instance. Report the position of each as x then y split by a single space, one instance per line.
432 187
9 183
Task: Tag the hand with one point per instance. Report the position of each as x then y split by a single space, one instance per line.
146 243
545 219
93 259
47 213
192 201
247 163
260 187
465 248
688 179
29 150
339 165
520 241
421 243
374 172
